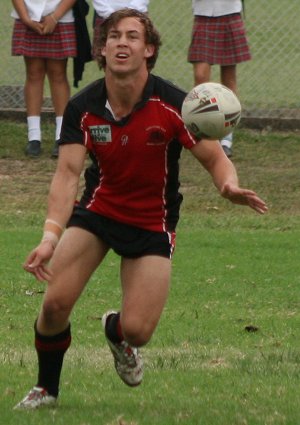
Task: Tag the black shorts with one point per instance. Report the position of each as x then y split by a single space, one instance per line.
126 240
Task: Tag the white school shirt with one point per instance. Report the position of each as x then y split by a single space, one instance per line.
216 7
39 8
104 8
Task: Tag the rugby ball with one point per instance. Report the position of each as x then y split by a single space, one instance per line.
211 110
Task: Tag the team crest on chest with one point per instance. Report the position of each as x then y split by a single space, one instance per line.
101 133
156 135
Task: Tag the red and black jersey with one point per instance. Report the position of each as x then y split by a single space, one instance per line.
133 177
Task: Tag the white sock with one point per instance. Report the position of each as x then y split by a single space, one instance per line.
227 140
34 128
58 127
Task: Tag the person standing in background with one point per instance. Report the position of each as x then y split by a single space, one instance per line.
44 34
103 8
218 38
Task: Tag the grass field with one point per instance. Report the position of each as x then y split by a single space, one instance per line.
227 350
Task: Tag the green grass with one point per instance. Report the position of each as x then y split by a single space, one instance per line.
226 351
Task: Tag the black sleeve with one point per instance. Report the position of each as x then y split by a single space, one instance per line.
71 131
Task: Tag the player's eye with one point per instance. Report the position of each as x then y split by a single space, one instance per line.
112 35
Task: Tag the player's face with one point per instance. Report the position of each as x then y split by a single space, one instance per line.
125 49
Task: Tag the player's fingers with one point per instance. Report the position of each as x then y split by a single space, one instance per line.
257 204
29 267
42 274
29 259
36 260
45 272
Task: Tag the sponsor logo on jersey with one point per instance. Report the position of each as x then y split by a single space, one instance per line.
101 133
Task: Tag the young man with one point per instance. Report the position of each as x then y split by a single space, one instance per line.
130 124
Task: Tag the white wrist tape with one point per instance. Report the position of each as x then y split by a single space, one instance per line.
51 237
50 221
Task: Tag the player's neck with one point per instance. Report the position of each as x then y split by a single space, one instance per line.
124 93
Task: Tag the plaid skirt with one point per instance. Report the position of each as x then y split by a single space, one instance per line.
61 44
219 40
96 37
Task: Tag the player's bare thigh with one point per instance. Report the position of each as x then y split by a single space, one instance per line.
145 284
76 257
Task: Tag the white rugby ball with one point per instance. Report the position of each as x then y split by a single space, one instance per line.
211 110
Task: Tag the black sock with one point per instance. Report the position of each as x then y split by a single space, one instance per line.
113 328
51 351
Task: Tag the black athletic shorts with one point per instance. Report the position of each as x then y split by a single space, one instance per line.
126 240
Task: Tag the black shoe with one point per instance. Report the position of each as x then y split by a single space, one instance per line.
54 153
227 151
33 148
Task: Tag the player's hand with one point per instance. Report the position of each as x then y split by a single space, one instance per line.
241 196
36 262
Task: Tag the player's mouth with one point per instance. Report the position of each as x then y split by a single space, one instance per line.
122 56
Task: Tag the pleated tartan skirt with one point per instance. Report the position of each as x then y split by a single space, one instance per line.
61 44
219 40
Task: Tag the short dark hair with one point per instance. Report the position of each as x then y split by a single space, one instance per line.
152 36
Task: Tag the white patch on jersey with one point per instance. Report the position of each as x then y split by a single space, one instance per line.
101 133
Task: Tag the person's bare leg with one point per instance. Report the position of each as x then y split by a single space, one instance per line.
34 85
202 72
145 284
59 84
33 95
60 93
228 79
75 259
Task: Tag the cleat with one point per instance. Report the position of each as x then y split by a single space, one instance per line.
55 150
227 151
37 397
128 361
33 148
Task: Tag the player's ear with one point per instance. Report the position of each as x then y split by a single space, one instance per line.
103 51
149 51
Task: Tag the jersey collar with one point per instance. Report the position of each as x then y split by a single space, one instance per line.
98 96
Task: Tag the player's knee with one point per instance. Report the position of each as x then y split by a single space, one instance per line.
53 309
137 333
